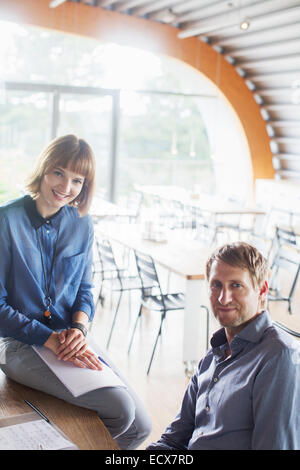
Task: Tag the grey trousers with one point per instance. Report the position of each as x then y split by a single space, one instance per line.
119 408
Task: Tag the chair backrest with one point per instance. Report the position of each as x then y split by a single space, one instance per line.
287 329
285 237
177 206
106 257
287 256
147 273
277 216
135 202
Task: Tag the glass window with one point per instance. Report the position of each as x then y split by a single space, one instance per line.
90 118
163 136
25 125
172 138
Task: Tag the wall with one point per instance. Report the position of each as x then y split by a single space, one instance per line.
126 30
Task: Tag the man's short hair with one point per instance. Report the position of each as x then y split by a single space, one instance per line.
242 255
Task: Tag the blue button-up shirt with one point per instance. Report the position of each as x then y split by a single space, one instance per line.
22 283
250 400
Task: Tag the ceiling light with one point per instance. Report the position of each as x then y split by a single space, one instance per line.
56 3
166 16
245 24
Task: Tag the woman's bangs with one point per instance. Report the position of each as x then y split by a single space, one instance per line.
81 165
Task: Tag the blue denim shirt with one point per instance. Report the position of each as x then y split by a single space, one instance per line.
250 400
22 283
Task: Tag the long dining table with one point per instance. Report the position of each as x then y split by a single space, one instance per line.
184 257
213 206
103 209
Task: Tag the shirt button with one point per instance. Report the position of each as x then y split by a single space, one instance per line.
216 379
207 408
47 221
48 231
200 433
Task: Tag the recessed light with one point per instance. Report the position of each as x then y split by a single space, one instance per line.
245 24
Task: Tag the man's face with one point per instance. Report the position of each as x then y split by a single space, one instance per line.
233 297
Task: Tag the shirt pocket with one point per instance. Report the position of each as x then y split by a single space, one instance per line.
73 267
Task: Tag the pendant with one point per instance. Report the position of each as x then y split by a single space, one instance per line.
47 316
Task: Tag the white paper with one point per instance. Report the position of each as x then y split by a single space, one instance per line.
78 381
33 435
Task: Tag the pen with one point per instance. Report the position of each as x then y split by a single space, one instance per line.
102 360
37 411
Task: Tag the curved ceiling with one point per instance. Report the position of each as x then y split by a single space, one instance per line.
266 55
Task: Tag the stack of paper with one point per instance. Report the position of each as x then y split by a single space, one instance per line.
79 381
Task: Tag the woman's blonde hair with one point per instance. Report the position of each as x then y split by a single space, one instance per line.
67 152
242 255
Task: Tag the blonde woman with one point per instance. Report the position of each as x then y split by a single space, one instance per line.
46 240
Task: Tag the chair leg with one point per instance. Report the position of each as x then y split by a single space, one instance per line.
155 344
129 304
114 321
135 325
100 297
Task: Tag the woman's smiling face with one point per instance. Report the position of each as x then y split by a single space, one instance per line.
59 187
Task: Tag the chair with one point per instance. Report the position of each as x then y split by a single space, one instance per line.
119 278
263 243
133 208
204 231
278 217
152 296
288 330
287 258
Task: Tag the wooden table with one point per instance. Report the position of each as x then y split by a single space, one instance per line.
186 259
81 426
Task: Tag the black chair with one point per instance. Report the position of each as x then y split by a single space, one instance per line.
153 298
120 279
280 217
264 244
287 258
288 330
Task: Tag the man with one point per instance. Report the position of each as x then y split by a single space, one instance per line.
246 391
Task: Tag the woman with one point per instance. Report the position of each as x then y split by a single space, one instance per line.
46 241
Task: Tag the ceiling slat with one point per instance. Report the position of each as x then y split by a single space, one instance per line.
259 10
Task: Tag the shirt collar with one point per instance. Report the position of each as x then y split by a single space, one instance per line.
35 217
251 333
256 328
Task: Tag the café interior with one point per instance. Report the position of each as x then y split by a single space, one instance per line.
193 111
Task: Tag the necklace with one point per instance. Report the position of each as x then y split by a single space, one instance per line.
47 301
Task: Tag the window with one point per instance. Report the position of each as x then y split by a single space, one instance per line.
171 124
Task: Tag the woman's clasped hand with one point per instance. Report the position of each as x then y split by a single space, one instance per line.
71 345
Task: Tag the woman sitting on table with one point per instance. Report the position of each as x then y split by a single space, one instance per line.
46 241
